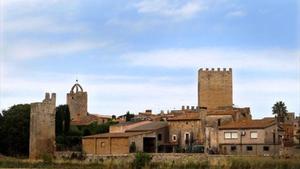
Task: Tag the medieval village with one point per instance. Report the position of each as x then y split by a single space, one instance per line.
215 127
150 84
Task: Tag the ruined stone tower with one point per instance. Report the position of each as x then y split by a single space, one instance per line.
77 102
215 88
42 127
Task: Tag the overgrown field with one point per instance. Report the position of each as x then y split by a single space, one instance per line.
143 161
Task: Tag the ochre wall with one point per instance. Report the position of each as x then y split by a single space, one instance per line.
215 88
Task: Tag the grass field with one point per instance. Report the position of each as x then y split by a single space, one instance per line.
145 163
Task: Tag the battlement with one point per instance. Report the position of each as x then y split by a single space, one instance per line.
215 70
48 98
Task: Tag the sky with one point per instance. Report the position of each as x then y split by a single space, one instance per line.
132 55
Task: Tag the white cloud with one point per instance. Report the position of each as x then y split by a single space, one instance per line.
169 8
33 49
41 24
271 59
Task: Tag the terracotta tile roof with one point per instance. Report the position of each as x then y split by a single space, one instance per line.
186 116
106 135
88 120
127 123
149 126
248 124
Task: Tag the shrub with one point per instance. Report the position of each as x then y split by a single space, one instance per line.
198 149
141 160
132 148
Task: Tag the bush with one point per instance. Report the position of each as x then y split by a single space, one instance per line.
198 149
141 160
132 148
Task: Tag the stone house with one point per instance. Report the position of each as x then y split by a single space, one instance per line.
186 130
249 137
149 137
218 117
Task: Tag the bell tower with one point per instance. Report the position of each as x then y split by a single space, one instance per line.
77 102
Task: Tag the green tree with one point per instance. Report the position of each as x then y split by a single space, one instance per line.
62 120
14 130
129 116
280 111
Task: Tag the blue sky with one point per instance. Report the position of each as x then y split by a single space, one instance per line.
144 54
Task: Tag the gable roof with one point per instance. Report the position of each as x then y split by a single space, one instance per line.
149 126
248 124
115 135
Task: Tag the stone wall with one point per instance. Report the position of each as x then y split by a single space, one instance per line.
42 127
257 149
77 102
215 88
181 127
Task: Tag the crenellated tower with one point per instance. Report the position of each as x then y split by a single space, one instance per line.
215 88
42 128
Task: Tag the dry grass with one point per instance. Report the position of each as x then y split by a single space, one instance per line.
212 162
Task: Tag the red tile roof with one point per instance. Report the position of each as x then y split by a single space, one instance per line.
248 124
88 120
106 135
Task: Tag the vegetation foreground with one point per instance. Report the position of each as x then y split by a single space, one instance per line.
143 161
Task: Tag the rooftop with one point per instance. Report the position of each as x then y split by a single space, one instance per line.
105 135
186 116
149 126
248 124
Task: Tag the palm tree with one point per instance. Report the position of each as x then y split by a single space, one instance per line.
279 109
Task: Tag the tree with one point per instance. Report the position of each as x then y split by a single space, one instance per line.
129 116
14 130
280 110
62 120
113 117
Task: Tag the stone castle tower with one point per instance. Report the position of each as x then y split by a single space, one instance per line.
215 88
77 102
42 127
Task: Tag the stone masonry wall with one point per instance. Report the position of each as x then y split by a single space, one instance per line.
77 103
42 127
215 88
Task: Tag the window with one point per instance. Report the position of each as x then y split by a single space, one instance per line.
233 148
266 148
159 137
174 138
230 135
219 122
234 135
187 138
253 134
227 135
249 148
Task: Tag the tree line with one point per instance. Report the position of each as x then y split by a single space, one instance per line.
15 126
